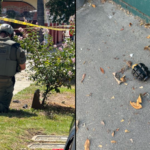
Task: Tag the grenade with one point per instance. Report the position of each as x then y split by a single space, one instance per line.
140 72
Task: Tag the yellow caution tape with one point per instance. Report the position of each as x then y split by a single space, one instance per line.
34 25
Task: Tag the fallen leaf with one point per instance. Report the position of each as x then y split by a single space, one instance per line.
131 140
117 129
102 70
113 97
100 146
122 79
113 142
93 5
122 120
141 87
102 122
147 47
113 134
148 37
130 24
133 88
87 145
126 83
121 29
89 94
126 131
139 100
129 63
83 76
135 105
103 1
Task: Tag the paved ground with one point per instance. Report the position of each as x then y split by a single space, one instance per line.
22 80
102 43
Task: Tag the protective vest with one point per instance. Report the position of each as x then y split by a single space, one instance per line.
7 66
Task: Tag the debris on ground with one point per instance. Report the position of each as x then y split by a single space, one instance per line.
83 76
129 63
113 142
100 146
103 1
147 47
16 101
102 70
93 5
122 79
137 105
89 94
117 129
148 37
113 134
131 55
122 120
126 131
117 77
103 123
87 145
25 106
130 24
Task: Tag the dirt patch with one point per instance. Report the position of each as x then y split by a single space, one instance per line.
66 100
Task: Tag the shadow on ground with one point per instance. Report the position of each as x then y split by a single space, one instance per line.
18 114
59 109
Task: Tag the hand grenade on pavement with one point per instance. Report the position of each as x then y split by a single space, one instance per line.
140 72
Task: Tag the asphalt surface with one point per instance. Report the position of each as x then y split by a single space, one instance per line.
105 39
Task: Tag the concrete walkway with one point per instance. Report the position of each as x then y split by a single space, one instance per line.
22 80
105 39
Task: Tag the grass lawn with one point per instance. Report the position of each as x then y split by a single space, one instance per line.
20 125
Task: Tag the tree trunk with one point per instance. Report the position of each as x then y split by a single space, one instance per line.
40 17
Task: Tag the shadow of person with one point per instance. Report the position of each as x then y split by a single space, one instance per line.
18 114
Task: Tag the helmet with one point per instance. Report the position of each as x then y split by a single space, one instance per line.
7 28
140 72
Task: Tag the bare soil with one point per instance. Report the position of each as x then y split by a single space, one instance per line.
65 100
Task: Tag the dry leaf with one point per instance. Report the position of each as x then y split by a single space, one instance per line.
147 47
113 142
93 5
83 76
89 94
122 79
130 24
117 129
113 97
129 63
141 87
122 120
102 122
102 70
139 100
135 105
133 88
103 1
131 140
126 83
113 134
100 146
126 131
148 37
87 145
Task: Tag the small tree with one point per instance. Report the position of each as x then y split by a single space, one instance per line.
60 11
53 67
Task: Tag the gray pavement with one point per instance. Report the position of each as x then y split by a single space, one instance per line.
100 40
22 80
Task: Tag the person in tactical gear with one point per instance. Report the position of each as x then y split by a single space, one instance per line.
12 60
